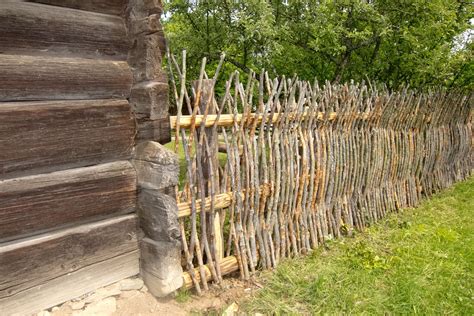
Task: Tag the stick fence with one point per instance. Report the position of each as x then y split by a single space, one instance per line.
281 165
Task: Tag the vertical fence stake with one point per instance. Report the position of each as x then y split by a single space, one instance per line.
210 167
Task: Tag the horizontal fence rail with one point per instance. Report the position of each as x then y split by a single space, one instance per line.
228 120
275 167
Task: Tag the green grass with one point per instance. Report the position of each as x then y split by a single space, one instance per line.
182 295
418 261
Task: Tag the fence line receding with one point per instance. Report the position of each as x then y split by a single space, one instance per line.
274 167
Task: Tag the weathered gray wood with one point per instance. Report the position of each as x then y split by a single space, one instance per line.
54 135
147 25
115 7
42 78
146 55
156 130
72 285
34 261
156 166
160 266
158 214
139 9
37 29
44 202
149 100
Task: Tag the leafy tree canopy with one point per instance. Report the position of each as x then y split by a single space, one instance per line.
422 43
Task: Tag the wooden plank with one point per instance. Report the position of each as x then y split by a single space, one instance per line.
54 135
115 7
42 78
33 261
227 265
37 29
38 203
71 285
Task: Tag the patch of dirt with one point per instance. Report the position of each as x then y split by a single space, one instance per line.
142 303
220 296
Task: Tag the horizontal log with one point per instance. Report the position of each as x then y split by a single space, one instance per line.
149 100
38 137
58 31
40 78
115 7
227 120
227 265
156 130
71 285
221 201
34 204
34 261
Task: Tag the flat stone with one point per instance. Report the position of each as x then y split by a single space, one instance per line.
130 294
43 313
103 293
231 310
104 307
131 284
77 305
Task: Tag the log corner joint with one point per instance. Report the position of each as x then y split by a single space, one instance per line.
157 168
160 259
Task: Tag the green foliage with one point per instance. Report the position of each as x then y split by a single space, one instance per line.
413 42
242 29
418 261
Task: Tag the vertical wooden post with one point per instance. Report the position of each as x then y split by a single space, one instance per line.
207 96
208 102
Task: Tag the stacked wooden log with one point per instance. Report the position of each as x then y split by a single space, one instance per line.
156 167
306 163
149 96
67 189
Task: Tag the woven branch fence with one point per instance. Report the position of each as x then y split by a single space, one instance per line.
274 167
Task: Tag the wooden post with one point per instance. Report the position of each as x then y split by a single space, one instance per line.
207 97
157 172
208 106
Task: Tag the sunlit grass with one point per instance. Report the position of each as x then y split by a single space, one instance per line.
418 261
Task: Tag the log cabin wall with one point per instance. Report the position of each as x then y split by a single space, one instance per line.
77 91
